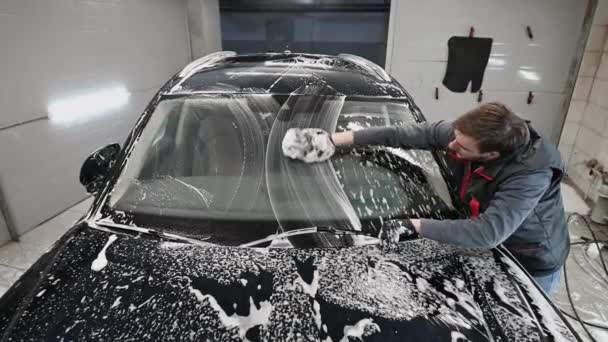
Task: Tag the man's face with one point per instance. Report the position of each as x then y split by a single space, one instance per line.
466 148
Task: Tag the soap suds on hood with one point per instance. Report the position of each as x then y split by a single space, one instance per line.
101 261
173 244
256 316
198 287
550 318
311 289
116 303
362 328
458 337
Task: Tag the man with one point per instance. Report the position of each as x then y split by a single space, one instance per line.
508 178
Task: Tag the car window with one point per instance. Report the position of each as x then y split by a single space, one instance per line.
212 166
385 182
199 157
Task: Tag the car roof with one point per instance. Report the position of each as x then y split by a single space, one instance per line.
285 73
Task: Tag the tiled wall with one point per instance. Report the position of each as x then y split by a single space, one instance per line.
585 133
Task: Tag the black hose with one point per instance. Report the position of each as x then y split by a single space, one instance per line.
578 318
595 241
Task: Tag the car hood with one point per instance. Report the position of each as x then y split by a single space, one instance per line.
96 284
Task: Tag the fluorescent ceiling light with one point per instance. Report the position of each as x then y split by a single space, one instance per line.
496 62
529 75
83 107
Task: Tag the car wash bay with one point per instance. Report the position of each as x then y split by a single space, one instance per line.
77 75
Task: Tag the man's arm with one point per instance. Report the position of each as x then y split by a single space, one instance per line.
420 136
512 203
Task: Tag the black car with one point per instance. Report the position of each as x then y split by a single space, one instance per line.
202 230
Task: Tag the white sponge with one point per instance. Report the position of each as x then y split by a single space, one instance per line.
310 145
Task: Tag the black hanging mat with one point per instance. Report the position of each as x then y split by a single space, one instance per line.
467 61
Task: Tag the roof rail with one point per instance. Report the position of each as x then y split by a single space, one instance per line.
201 63
367 65
205 61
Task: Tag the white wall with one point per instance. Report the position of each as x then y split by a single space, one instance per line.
58 49
417 56
204 26
585 134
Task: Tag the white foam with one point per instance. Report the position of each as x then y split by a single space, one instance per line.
422 284
73 325
465 300
501 292
317 312
549 317
452 318
116 303
256 316
173 244
311 290
354 126
458 336
358 329
101 261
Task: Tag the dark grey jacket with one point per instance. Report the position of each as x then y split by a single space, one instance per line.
515 200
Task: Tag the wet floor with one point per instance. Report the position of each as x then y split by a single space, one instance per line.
587 280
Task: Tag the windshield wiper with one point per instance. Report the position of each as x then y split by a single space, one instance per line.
309 230
150 232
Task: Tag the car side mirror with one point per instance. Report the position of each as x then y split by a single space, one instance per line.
97 166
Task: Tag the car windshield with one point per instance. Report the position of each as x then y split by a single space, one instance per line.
211 167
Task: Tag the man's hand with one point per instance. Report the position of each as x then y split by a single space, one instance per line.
309 145
393 231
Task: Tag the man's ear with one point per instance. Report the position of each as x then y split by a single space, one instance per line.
492 155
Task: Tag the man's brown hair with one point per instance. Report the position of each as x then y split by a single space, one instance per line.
495 128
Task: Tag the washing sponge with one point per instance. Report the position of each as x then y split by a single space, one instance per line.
310 145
